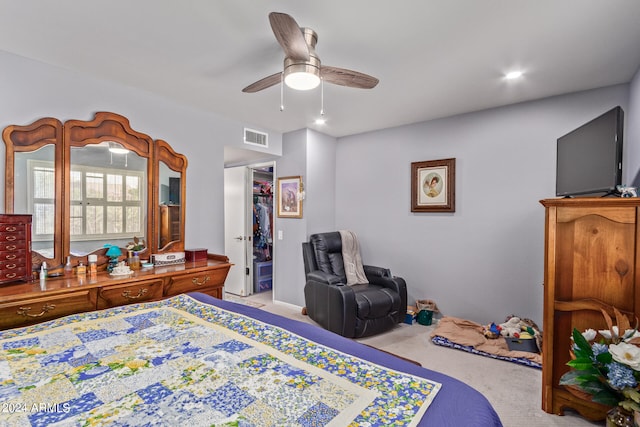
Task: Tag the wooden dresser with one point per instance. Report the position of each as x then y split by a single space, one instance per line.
15 248
22 304
592 256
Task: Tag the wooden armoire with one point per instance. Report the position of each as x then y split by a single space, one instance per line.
591 262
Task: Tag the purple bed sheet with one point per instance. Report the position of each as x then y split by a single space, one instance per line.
455 405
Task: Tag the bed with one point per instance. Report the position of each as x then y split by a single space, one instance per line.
194 359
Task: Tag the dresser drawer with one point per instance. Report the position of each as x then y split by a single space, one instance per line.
12 272
12 264
13 246
12 237
205 281
129 293
12 228
16 255
35 310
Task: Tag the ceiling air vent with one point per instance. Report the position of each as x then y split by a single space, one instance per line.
255 138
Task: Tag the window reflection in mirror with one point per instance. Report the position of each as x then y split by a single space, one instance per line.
34 193
108 197
169 186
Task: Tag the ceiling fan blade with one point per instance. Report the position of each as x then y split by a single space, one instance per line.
289 35
350 78
268 81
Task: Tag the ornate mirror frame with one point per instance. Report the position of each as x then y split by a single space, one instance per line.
78 133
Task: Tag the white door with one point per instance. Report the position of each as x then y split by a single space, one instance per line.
237 238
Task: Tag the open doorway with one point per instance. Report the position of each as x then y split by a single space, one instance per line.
262 228
249 225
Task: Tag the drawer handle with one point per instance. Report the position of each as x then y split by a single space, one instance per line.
10 275
24 311
10 266
197 282
11 247
10 238
10 229
12 256
141 293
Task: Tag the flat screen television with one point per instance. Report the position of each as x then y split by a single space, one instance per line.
589 159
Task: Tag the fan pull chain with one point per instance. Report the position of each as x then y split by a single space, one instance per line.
321 97
282 91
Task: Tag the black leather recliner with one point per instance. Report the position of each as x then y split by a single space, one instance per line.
352 311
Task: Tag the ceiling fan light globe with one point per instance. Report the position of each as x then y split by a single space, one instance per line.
302 80
117 148
302 75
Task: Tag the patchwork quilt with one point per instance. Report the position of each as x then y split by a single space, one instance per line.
183 362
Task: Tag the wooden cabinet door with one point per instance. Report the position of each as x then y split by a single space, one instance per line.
591 259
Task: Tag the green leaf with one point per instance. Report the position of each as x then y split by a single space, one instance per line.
570 378
580 377
606 397
594 387
604 358
581 342
581 363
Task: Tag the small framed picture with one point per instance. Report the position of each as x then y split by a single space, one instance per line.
433 186
289 197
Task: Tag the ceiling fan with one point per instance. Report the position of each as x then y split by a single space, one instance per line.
302 67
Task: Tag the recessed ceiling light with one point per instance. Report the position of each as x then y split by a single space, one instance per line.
513 75
320 121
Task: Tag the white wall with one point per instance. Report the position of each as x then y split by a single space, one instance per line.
312 156
632 133
485 261
288 270
32 90
321 182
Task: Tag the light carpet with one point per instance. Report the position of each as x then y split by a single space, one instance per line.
243 300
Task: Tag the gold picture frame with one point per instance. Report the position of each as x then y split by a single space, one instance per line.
433 186
289 197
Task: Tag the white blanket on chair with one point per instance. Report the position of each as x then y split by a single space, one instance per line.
353 267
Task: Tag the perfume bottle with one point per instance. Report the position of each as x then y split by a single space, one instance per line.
43 276
43 271
134 263
93 264
81 269
68 268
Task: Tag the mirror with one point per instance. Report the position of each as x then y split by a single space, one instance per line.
169 195
108 197
88 183
35 193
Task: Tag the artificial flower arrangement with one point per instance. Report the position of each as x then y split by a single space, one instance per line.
137 245
607 368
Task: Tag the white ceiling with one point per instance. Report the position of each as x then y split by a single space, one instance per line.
434 58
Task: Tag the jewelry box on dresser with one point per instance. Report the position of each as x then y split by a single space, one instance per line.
15 248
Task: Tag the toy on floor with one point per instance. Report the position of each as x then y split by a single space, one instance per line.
511 328
491 331
514 327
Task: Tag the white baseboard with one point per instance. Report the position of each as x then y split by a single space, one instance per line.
288 305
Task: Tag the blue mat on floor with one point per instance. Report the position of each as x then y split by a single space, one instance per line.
438 340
